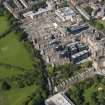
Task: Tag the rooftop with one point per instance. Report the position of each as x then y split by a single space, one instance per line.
65 13
58 99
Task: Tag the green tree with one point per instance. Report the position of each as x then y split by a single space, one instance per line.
99 26
89 10
5 85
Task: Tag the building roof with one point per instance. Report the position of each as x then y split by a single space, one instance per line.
58 99
65 13
80 53
95 36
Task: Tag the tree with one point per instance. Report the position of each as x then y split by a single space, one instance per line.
98 78
38 99
87 103
5 85
101 97
1 10
88 83
94 97
78 96
39 4
99 26
103 81
50 70
89 10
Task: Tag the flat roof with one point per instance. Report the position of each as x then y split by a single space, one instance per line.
80 53
58 99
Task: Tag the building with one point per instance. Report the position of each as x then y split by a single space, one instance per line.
24 3
32 14
83 13
65 14
58 99
18 4
22 8
76 29
78 57
76 2
96 43
73 2
10 9
40 11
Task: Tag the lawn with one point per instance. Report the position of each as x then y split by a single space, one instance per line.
13 52
16 96
9 72
3 24
13 56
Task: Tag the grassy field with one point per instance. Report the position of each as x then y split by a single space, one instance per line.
9 72
3 24
13 52
13 57
16 96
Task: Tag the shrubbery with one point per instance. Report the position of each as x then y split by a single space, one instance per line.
77 92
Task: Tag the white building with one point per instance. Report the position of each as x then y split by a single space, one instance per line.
58 99
40 11
32 14
65 14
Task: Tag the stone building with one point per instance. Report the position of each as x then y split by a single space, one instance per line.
96 43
